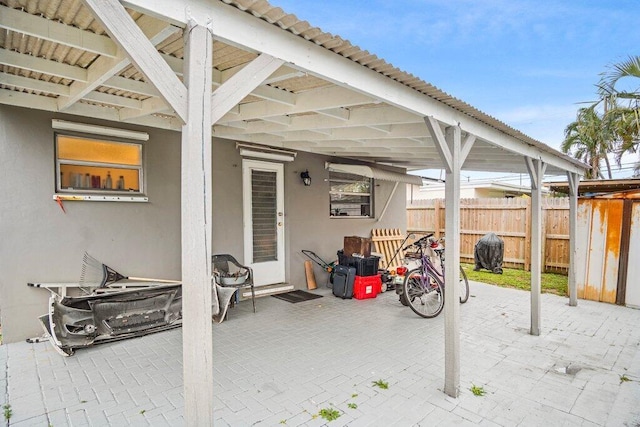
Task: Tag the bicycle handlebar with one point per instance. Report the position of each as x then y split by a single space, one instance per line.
418 242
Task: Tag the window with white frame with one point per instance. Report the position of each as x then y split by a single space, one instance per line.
95 165
350 195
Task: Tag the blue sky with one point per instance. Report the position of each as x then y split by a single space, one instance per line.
527 63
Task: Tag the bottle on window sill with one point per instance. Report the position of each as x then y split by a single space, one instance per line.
120 183
107 183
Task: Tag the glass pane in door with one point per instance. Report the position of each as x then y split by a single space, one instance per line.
264 212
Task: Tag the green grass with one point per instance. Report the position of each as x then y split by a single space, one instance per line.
518 279
8 412
477 391
329 414
382 384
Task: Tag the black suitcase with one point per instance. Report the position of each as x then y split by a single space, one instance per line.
343 278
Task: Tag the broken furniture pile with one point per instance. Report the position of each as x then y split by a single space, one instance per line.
106 306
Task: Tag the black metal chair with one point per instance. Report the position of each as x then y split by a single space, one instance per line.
229 273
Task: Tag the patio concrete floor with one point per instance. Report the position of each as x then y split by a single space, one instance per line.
285 363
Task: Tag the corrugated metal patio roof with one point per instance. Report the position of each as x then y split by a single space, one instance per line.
55 56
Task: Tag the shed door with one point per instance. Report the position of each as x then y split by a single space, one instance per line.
600 226
263 189
633 266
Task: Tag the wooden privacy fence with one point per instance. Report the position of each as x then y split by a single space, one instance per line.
509 219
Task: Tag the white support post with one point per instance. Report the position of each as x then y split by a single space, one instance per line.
574 180
197 334
536 171
452 266
453 154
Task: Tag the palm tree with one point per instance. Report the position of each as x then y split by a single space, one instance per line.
626 123
589 139
623 106
609 80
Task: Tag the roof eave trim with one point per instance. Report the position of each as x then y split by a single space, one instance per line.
374 172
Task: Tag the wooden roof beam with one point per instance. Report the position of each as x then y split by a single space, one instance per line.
324 98
56 32
142 53
33 84
106 67
42 65
357 117
282 73
241 84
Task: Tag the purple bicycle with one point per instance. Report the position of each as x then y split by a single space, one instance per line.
423 287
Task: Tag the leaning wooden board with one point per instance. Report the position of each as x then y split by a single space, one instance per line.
311 278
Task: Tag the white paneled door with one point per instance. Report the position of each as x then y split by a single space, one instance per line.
263 194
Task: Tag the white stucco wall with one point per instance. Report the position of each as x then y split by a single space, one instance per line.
311 227
40 243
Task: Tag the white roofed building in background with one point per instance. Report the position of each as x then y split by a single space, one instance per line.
469 190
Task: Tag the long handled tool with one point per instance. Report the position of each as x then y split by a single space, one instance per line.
98 275
400 248
326 266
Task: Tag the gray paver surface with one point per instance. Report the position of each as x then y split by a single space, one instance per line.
285 363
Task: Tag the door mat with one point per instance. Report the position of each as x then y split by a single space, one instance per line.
297 296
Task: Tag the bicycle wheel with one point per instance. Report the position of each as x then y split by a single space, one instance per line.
464 286
403 300
425 300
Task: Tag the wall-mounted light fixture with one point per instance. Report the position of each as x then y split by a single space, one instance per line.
306 179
